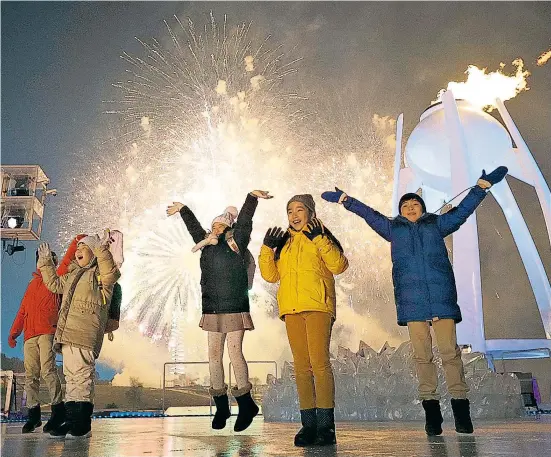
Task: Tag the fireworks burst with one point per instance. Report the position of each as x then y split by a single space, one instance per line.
202 117
206 118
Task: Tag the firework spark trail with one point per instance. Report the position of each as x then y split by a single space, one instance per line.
543 58
200 129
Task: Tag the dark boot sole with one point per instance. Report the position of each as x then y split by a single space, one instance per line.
77 437
220 426
305 444
33 429
245 427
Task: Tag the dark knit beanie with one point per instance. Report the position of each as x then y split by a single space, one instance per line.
411 196
307 200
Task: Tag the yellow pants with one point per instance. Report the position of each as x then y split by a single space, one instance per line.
446 340
309 334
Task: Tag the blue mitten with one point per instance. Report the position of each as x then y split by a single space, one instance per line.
332 197
495 176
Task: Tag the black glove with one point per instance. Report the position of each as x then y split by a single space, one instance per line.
495 176
313 229
273 237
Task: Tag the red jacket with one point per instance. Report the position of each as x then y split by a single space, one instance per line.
39 308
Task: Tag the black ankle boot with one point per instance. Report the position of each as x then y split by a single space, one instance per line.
462 415
62 429
248 409
81 426
326 427
34 420
433 417
308 433
56 419
223 412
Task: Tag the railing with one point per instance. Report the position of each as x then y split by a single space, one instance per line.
181 363
206 363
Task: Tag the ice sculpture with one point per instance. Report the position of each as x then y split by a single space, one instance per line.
381 385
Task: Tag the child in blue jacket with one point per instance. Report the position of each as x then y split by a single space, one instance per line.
424 289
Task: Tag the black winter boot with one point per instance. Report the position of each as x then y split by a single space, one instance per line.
223 413
309 432
56 419
247 408
462 415
62 429
326 427
82 420
34 420
433 417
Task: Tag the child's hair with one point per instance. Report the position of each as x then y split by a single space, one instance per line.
412 196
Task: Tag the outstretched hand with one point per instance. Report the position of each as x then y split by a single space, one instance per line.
44 250
106 240
273 237
313 229
174 208
265 194
334 197
486 181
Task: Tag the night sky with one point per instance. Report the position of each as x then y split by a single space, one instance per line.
59 60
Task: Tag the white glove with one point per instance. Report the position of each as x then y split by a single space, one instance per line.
106 240
44 251
92 241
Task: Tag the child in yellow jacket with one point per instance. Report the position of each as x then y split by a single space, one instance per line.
304 259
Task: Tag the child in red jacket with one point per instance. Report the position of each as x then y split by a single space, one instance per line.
37 318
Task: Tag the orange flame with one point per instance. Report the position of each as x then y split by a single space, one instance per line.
481 89
542 60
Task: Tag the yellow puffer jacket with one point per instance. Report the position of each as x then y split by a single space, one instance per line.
305 270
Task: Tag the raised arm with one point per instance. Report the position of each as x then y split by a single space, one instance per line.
456 217
46 265
331 253
197 232
266 260
244 224
108 271
377 221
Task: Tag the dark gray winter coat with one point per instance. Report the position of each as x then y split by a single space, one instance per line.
224 281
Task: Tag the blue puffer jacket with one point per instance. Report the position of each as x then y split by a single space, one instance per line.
424 284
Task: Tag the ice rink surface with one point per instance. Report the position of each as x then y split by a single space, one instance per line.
193 437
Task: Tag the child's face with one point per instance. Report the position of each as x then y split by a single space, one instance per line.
218 228
83 255
297 214
411 210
